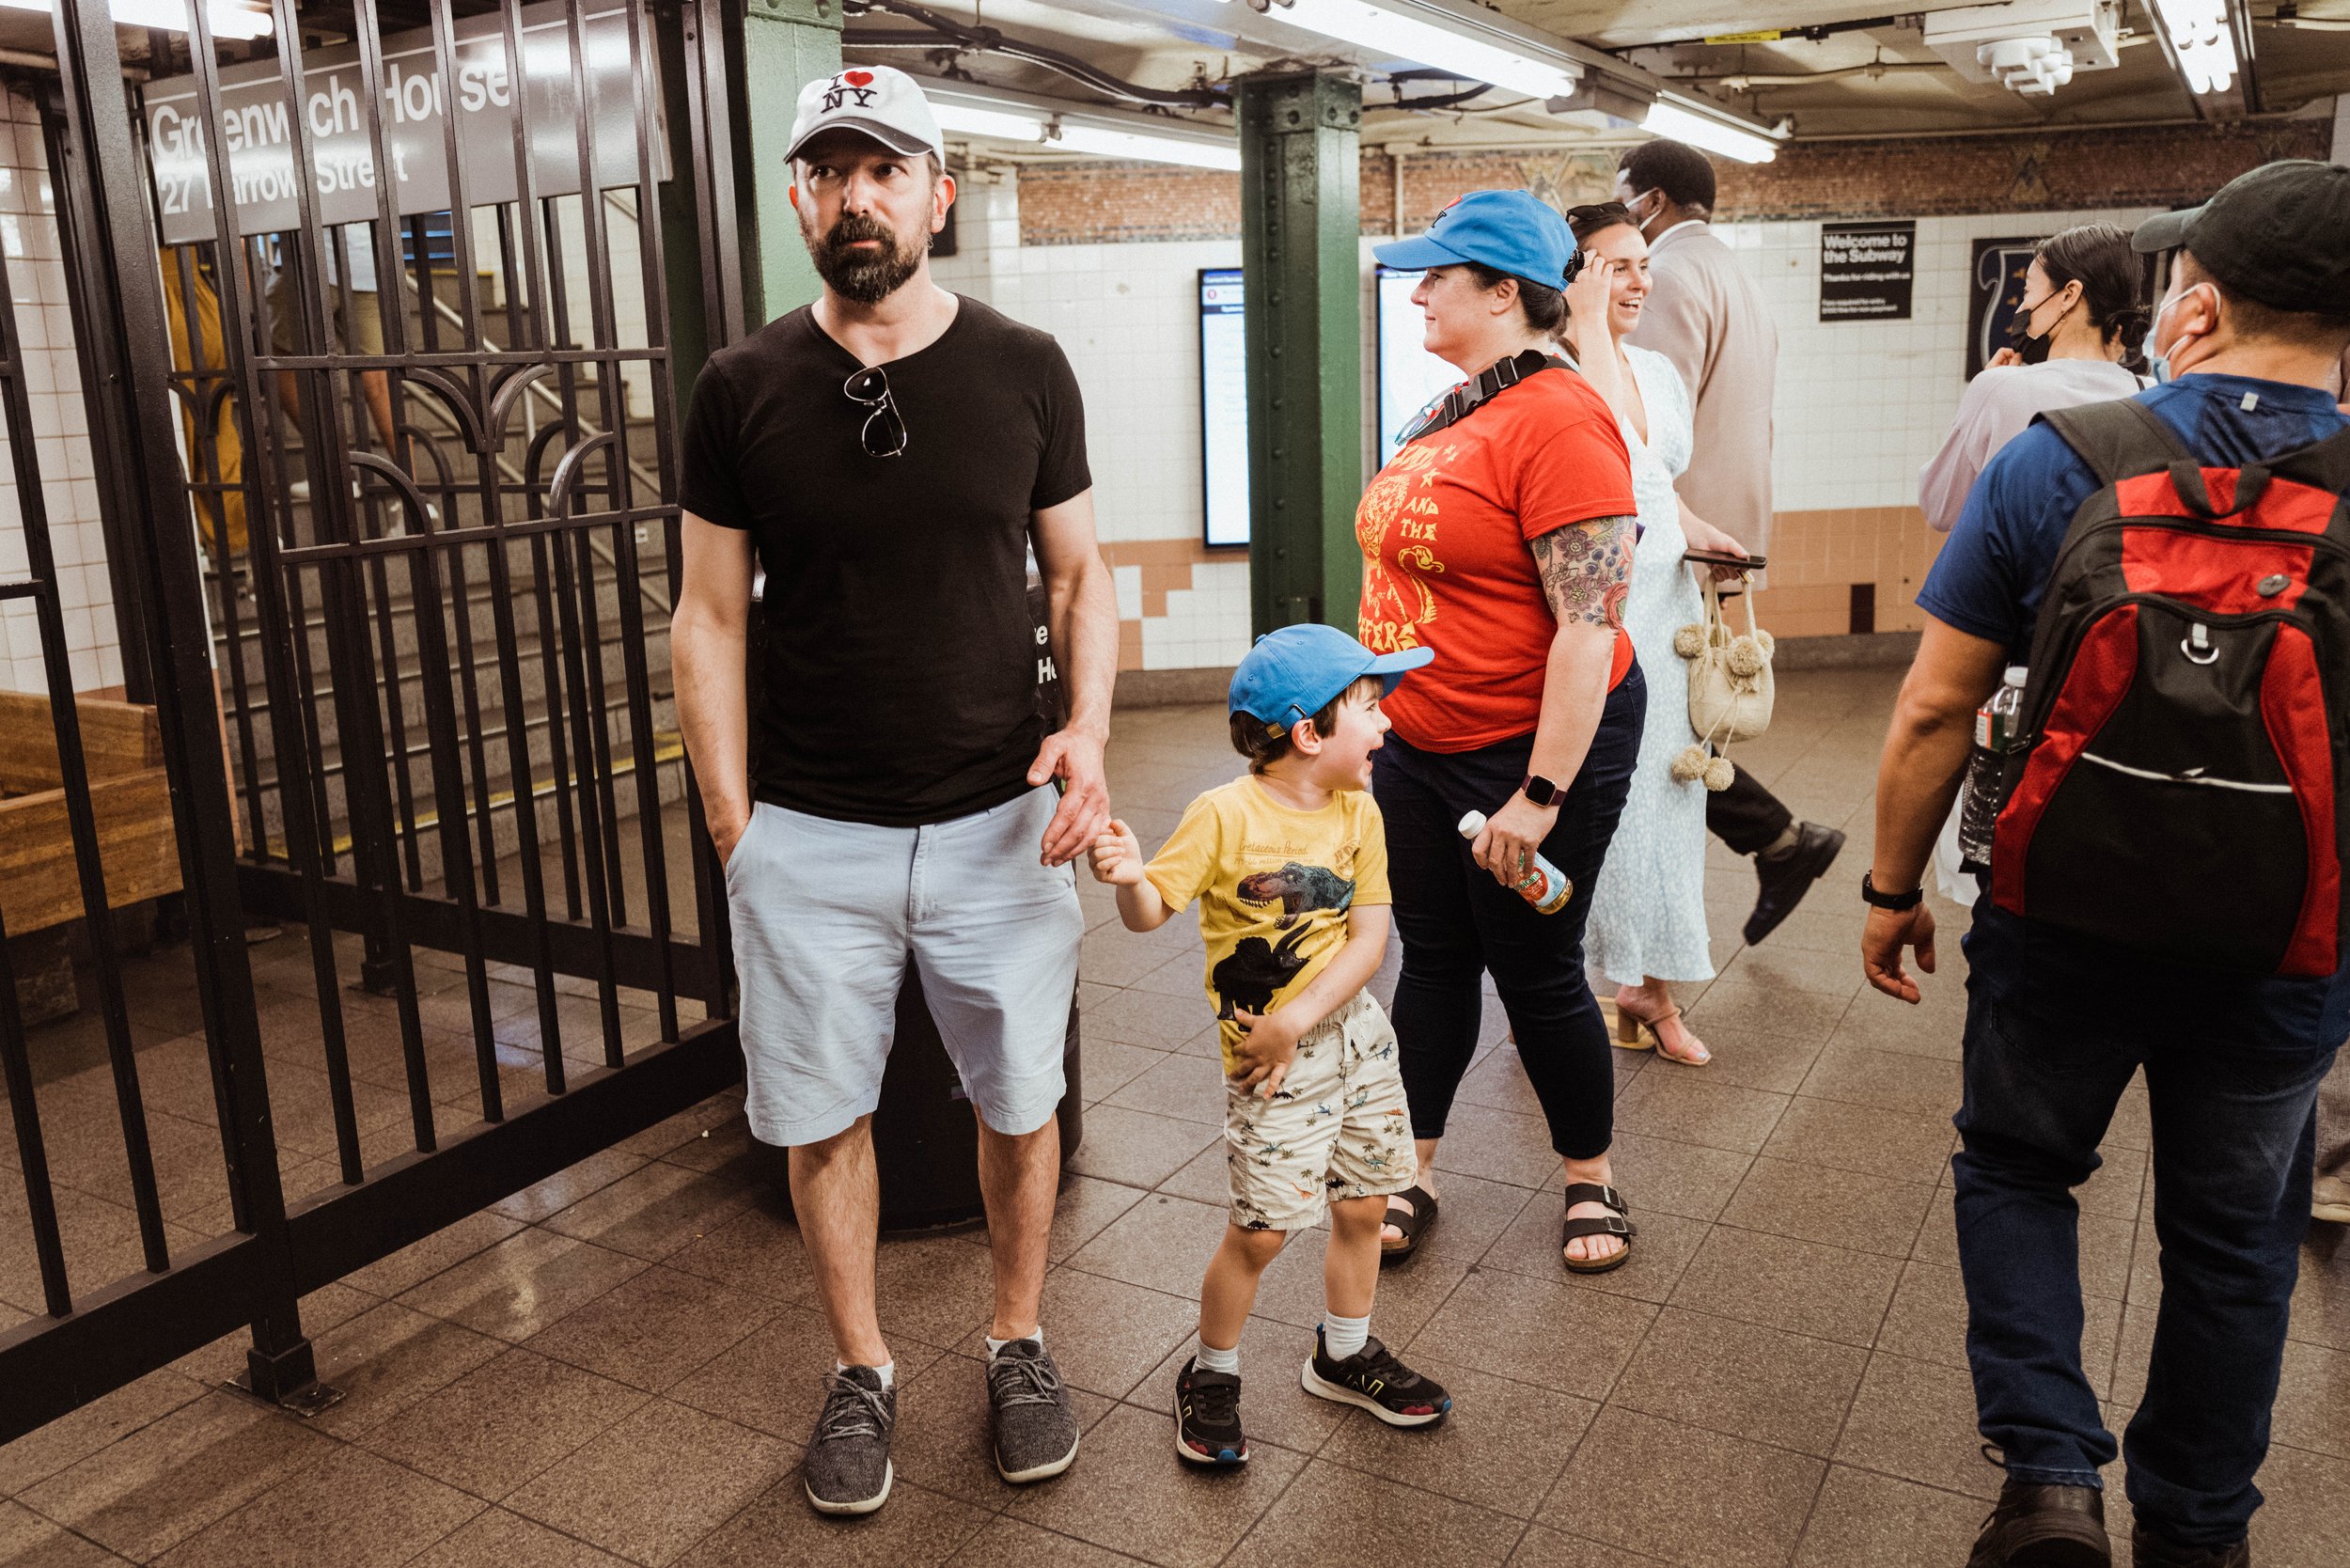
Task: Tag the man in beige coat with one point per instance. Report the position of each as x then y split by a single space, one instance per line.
1705 315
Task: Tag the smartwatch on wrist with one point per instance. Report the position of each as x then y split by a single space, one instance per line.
1870 895
1541 791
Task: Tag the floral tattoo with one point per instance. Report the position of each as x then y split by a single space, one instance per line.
1587 570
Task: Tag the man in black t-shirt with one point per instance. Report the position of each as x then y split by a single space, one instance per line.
890 456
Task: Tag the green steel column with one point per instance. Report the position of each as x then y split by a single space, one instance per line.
786 45
1300 243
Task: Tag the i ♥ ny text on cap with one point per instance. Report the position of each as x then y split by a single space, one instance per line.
872 100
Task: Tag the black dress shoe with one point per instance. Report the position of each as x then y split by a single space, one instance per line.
2045 1526
2150 1550
1788 876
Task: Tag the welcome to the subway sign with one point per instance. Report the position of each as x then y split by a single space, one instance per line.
255 124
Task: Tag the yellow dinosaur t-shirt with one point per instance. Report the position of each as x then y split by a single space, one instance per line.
1273 885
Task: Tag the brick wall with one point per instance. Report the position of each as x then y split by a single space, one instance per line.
2049 172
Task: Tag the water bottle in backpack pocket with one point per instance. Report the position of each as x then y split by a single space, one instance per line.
1997 732
2181 786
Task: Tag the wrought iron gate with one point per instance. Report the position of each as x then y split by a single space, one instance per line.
435 542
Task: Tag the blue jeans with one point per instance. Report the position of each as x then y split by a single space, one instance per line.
2049 1048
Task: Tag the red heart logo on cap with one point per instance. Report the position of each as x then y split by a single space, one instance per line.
857 78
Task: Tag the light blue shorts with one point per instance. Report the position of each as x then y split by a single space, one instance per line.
826 916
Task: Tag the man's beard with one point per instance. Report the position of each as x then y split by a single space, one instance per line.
866 277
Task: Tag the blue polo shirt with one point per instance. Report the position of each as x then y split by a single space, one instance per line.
1989 581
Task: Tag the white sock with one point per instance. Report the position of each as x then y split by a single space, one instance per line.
1214 1360
1343 1337
888 1371
996 1347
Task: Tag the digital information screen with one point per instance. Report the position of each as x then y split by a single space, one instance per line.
1410 378
1224 406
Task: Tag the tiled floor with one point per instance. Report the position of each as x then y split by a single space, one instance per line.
620 1365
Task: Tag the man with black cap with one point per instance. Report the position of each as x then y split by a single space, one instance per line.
892 454
2246 342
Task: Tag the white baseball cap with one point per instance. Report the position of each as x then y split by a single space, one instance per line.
873 101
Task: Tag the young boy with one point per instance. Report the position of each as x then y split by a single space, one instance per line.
1289 866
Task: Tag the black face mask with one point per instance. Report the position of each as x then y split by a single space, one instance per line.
2031 350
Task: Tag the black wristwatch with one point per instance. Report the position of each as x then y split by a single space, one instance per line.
1870 895
1541 791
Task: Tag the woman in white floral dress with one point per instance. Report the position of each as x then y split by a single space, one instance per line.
1648 913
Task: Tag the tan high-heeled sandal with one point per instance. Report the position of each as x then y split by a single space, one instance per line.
1630 1025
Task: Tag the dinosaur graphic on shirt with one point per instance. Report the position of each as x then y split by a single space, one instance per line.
1300 889
1251 973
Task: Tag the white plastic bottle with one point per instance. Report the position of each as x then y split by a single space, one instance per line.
1546 886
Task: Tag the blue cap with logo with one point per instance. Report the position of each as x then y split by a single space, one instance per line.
1507 231
1293 673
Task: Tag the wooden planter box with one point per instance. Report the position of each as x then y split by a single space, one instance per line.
137 846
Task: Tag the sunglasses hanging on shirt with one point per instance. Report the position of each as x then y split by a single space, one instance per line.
885 432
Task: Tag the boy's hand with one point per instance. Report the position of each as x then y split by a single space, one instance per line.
1266 1045
1118 857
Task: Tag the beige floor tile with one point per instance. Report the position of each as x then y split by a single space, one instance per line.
1742 1379
503 1424
352 1510
654 1328
659 1480
173 1476
1501 1447
1686 1495
1334 1515
1130 1492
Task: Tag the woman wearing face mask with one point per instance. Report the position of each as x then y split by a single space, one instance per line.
1648 912
2081 316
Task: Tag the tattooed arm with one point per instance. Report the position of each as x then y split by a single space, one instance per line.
1585 569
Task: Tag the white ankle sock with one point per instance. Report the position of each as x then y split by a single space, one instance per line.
1343 1337
1214 1360
888 1371
996 1347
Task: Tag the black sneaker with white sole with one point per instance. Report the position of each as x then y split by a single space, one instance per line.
1207 1416
846 1468
1375 1380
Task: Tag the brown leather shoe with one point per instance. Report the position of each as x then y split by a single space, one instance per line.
2150 1550
2037 1526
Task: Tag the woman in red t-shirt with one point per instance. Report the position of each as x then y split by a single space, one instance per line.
1503 540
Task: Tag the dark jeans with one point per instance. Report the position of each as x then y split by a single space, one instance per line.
1746 816
2047 1055
1459 924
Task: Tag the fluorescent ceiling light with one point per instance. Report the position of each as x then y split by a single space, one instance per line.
1395 34
1683 125
2201 41
1157 150
229 22
1040 122
970 120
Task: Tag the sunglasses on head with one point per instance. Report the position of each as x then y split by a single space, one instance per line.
885 432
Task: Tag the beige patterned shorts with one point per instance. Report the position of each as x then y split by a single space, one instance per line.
1337 1128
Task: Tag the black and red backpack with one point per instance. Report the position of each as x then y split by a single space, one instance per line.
2183 786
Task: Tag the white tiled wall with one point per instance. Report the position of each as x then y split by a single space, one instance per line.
28 237
1861 405
1128 318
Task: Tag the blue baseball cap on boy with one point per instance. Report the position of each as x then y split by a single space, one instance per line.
1507 231
1293 673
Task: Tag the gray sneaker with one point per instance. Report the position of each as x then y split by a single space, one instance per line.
847 1469
1036 1425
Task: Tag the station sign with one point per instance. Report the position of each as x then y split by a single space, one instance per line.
1867 271
256 127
